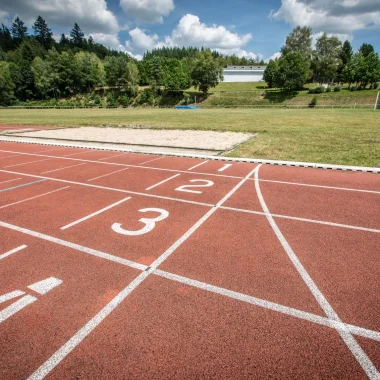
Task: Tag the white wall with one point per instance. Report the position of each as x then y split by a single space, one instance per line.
243 75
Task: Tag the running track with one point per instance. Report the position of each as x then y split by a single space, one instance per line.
120 265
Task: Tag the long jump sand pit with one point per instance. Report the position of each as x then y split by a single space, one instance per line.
177 140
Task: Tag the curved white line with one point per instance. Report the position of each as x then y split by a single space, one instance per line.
345 334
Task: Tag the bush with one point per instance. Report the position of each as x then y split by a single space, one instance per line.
124 100
111 101
337 89
376 85
353 88
328 89
312 91
313 102
319 90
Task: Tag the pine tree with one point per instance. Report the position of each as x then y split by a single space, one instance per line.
64 41
19 30
77 36
366 49
43 33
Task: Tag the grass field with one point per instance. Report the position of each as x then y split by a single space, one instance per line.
347 137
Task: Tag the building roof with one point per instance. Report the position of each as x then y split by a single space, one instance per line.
244 68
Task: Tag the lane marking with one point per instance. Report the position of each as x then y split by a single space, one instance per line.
26 163
16 307
196 166
77 247
106 175
345 334
94 214
45 286
15 155
224 167
62 352
160 183
10 180
75 154
9 296
23 185
37 196
155 159
296 313
11 252
66 167
116 155
318 186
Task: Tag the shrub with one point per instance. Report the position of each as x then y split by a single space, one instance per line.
328 89
337 89
376 85
313 102
353 88
319 90
111 101
124 100
312 91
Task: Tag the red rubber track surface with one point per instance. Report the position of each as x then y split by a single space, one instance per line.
166 267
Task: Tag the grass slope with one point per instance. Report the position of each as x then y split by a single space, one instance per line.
347 137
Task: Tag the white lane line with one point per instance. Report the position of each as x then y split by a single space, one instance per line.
66 167
45 286
16 307
319 186
75 154
224 167
345 334
15 155
25 163
116 155
62 352
155 159
196 166
296 313
331 224
110 188
37 196
77 247
106 175
160 183
10 180
9 296
15 250
94 214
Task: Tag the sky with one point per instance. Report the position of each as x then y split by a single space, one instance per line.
250 28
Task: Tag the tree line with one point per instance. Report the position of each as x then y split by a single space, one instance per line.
330 62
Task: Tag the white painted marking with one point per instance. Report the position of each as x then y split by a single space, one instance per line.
224 167
74 246
8 296
25 163
14 155
345 334
94 214
116 155
59 355
185 188
155 159
16 307
150 223
10 180
45 286
106 175
37 196
66 167
374 335
196 166
76 154
160 183
6 254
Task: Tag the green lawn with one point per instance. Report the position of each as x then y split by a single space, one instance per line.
348 137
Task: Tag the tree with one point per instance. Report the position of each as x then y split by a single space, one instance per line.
206 73
366 49
91 71
115 68
131 78
77 36
345 57
43 76
19 30
292 72
352 71
371 69
64 41
299 41
176 75
43 33
327 58
270 73
6 85
6 42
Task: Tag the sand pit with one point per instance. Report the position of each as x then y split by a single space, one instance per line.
178 139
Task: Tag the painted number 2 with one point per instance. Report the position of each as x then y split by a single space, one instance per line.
150 223
204 183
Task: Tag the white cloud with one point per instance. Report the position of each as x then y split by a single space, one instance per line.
191 32
110 40
150 11
274 56
333 17
93 16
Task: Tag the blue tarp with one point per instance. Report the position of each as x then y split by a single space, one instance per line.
186 108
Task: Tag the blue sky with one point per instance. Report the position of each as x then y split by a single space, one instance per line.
253 28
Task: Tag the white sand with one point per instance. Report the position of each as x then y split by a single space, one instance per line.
219 141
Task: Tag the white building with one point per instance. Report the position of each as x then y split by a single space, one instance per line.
244 73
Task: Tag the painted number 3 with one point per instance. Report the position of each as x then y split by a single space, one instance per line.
150 223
